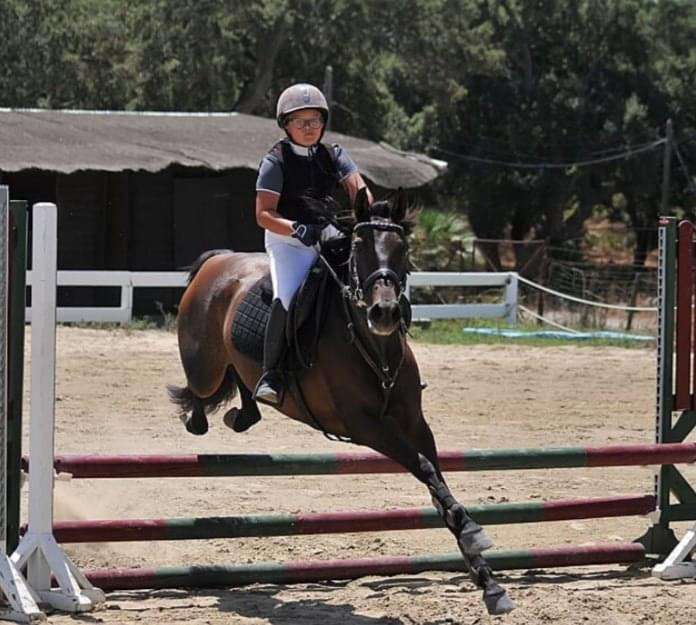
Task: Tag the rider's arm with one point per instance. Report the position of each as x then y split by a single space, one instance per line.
352 184
348 175
269 186
267 215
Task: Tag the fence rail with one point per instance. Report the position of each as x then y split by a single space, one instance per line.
507 308
127 281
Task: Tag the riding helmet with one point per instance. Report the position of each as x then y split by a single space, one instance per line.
300 96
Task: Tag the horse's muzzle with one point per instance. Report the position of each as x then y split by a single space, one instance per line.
383 317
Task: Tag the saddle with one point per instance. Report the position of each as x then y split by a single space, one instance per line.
305 319
306 314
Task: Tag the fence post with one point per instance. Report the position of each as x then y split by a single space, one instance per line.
4 395
127 300
511 288
633 300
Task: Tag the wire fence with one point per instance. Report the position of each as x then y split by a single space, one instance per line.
561 293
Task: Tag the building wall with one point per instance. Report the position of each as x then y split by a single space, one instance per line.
214 212
150 242
80 198
142 221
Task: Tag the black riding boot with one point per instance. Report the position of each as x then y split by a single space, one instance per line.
269 388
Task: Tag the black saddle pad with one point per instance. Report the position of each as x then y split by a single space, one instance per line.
249 324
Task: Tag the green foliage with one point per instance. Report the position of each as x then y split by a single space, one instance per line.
504 80
440 242
187 56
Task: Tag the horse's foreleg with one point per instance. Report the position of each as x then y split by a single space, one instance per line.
419 456
471 537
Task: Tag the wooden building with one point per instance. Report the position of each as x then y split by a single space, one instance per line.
151 191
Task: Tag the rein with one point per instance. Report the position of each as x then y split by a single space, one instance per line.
352 297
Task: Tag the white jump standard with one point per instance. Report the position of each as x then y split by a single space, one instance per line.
38 549
676 565
21 602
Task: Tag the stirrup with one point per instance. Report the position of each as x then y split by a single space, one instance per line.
269 389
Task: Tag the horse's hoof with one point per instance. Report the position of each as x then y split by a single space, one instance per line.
473 539
194 428
497 600
240 420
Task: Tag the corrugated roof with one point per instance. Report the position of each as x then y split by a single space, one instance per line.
67 141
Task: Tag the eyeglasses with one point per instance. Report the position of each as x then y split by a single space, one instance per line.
299 123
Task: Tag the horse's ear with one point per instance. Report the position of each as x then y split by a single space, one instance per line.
399 206
362 205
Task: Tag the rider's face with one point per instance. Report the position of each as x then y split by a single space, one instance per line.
305 126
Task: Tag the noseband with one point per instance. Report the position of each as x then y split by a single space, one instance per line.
358 289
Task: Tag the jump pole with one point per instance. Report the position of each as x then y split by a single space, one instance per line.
204 528
228 465
38 549
325 570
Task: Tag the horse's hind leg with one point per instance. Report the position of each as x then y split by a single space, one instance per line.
241 419
196 422
419 456
199 407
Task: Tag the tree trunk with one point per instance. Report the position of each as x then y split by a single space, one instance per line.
253 95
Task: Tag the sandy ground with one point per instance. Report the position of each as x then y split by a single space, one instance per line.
111 399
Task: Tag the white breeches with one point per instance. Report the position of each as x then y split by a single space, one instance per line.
290 262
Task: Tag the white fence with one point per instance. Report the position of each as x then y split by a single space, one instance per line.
126 280
507 308
129 280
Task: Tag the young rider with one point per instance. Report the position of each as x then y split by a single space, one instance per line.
295 166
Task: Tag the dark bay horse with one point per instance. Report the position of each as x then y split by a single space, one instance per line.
362 341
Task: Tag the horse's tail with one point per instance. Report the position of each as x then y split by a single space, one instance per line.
198 263
182 396
187 400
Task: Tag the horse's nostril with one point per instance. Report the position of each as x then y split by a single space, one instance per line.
385 313
375 313
395 313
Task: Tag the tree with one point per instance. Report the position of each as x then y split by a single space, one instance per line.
494 81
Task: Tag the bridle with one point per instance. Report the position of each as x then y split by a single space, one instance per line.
352 297
357 289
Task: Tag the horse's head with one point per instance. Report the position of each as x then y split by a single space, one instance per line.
379 260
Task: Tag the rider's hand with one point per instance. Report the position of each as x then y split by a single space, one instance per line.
306 233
